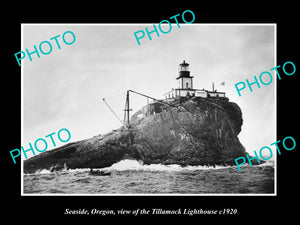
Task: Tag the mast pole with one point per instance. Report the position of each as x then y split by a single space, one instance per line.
128 116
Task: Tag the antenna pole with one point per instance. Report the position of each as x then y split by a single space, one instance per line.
128 116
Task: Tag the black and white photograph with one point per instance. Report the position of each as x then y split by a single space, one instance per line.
129 109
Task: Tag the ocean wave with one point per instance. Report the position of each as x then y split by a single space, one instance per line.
128 164
134 165
45 171
270 163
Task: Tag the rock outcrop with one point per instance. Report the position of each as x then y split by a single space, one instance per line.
202 131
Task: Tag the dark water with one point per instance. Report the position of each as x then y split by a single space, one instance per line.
130 177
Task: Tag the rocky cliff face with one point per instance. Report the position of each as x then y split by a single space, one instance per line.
198 132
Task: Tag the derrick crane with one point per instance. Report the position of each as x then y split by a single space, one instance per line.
168 104
127 109
112 111
126 122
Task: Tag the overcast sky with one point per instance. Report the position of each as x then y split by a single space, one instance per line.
65 88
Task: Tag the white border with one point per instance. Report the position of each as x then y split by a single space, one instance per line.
142 24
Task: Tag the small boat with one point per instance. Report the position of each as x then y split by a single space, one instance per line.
99 172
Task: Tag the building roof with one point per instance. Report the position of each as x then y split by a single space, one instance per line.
184 63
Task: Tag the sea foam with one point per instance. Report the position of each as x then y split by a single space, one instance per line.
134 165
128 164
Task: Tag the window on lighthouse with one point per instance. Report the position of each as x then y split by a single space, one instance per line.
187 85
184 68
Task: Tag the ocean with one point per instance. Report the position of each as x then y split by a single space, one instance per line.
132 177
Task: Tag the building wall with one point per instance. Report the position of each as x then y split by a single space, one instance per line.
216 94
202 94
185 83
170 94
193 92
184 93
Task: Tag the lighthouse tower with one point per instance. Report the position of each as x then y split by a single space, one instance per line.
185 81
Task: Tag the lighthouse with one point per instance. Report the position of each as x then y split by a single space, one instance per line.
186 90
185 80
185 83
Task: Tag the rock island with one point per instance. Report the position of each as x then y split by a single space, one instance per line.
189 127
